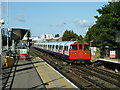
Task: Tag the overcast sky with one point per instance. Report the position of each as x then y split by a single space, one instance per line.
51 17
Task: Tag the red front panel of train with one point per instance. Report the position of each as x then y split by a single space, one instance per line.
86 55
74 52
86 52
79 51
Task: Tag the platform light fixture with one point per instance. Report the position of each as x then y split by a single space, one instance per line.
2 21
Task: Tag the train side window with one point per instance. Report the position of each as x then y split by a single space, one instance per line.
53 46
66 48
61 47
80 46
56 46
73 47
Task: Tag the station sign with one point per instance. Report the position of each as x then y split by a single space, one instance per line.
23 51
112 54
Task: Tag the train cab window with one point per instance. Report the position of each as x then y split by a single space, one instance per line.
80 46
73 47
86 47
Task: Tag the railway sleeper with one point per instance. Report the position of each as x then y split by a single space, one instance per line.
101 77
103 72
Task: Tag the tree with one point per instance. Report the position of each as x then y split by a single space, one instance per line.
102 33
69 35
80 37
56 35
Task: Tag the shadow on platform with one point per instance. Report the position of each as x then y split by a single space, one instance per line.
8 74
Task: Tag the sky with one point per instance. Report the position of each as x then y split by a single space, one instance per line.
51 17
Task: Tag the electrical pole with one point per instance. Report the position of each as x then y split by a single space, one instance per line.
0 36
7 28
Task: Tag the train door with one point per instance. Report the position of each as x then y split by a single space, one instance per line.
86 52
80 51
73 54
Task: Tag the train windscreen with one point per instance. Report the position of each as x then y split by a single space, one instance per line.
87 47
73 47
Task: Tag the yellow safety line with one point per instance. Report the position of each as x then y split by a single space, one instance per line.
54 74
45 80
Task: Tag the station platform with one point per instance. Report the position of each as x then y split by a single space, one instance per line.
113 64
116 61
35 73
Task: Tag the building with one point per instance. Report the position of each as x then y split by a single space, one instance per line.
50 38
44 38
47 36
35 39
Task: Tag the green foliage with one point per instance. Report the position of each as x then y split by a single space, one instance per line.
102 33
28 33
69 35
56 35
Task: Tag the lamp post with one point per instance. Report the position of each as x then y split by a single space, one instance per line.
91 43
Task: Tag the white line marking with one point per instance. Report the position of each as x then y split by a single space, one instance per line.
59 73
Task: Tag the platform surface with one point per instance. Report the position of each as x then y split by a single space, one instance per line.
36 73
51 77
26 76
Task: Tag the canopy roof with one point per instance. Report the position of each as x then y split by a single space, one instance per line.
17 34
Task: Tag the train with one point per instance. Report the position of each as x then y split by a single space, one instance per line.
74 51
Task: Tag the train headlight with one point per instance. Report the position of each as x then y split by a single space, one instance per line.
75 53
85 53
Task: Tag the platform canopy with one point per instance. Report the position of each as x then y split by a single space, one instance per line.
17 34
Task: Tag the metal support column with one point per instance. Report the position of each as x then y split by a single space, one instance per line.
0 37
0 48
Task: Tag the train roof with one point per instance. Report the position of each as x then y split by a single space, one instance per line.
65 43
69 43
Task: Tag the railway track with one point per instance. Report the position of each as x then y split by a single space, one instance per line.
102 79
84 76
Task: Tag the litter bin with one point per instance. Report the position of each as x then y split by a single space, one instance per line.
8 61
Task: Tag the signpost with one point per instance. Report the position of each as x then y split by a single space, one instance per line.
117 36
28 41
117 39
